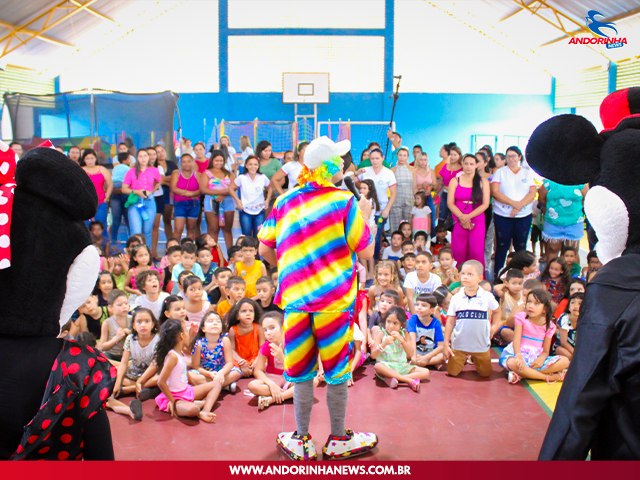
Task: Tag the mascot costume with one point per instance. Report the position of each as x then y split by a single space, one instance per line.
315 231
598 409
51 390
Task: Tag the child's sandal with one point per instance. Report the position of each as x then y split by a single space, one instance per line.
415 385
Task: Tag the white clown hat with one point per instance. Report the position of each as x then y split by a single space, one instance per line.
322 149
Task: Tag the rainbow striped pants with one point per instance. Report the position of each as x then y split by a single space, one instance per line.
308 335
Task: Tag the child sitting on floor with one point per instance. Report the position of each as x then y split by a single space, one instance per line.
212 355
265 292
392 348
426 333
269 385
511 303
246 334
472 312
567 325
528 355
446 271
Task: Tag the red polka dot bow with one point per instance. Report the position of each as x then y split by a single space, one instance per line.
7 186
8 160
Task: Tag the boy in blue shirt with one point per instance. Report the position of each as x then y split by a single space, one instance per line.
426 333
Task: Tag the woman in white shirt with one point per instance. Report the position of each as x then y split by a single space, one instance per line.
291 170
245 148
513 189
252 185
229 153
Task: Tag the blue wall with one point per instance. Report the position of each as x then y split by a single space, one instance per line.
428 119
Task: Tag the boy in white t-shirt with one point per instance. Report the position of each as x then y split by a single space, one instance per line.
420 281
152 297
471 312
393 251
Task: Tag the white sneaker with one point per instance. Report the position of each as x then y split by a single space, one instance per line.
232 387
349 446
297 447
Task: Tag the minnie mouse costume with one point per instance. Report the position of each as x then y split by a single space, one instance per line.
598 409
51 391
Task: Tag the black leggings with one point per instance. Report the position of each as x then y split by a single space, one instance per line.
25 365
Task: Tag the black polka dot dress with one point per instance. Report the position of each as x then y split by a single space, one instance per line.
80 382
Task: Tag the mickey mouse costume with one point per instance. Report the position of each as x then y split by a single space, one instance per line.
598 409
51 391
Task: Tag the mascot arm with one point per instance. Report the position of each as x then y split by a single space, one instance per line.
588 385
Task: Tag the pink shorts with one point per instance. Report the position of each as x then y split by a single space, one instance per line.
188 395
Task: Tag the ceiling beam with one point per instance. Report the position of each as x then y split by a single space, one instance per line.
44 38
48 19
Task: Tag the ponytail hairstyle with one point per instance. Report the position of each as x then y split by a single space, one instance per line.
170 332
166 305
476 191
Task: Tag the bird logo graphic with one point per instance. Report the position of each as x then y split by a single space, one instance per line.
596 26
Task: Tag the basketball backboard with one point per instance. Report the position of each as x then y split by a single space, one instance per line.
305 87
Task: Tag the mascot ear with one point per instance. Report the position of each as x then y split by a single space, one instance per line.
565 149
47 173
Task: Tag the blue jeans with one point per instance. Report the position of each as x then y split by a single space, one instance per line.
118 210
100 216
509 230
434 220
141 218
251 223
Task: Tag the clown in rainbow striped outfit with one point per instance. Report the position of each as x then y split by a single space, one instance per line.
314 233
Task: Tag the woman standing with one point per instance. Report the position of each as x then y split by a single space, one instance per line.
401 209
469 196
185 186
449 171
167 212
201 160
513 189
101 179
229 154
215 185
269 165
563 216
252 185
141 180
158 196
423 181
245 148
290 170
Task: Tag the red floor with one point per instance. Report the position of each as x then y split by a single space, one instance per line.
462 418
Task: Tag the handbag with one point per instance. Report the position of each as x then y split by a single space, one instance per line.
132 199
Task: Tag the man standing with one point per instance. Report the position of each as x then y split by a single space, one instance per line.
313 234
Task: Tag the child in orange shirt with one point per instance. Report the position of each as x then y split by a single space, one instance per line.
235 291
246 334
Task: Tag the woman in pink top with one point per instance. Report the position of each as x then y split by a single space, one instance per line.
448 172
142 180
101 178
469 197
185 187
202 162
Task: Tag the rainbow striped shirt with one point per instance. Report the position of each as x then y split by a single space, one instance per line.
316 231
